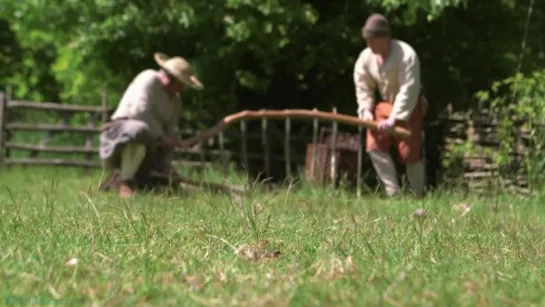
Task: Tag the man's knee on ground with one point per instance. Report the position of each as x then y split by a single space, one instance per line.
132 156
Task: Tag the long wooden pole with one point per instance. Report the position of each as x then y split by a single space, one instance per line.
291 113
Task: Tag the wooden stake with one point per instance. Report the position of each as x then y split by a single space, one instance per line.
334 151
315 125
222 155
92 122
5 121
287 147
104 104
360 161
243 135
266 152
2 131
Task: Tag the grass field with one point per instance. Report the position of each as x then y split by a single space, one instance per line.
297 247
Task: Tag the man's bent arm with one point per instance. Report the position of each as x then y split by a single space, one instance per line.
409 89
365 94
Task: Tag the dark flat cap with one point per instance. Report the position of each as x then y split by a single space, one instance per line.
376 26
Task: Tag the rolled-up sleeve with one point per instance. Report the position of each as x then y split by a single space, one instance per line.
409 88
365 87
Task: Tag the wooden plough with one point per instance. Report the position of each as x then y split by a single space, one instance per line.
290 113
249 115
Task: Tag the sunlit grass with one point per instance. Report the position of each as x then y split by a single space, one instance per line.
300 246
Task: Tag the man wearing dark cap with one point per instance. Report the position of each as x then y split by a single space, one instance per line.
391 67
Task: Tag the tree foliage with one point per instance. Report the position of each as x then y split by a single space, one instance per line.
256 54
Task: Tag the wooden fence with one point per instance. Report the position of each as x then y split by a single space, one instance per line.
96 114
477 166
321 161
321 149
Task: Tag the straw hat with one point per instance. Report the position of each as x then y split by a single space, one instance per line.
179 68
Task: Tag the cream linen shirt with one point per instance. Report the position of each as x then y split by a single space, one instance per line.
397 79
146 99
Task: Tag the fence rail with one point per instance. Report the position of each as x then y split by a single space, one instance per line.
56 162
52 128
54 149
51 106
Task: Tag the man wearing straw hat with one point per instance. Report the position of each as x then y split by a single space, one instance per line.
391 67
142 134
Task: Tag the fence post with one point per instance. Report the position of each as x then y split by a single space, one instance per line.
2 124
104 107
104 104
92 123
518 157
333 160
222 155
314 145
360 161
201 155
243 135
5 118
287 147
265 143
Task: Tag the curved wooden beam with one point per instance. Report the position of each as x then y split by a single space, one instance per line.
291 113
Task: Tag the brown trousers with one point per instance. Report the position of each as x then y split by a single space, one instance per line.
409 150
